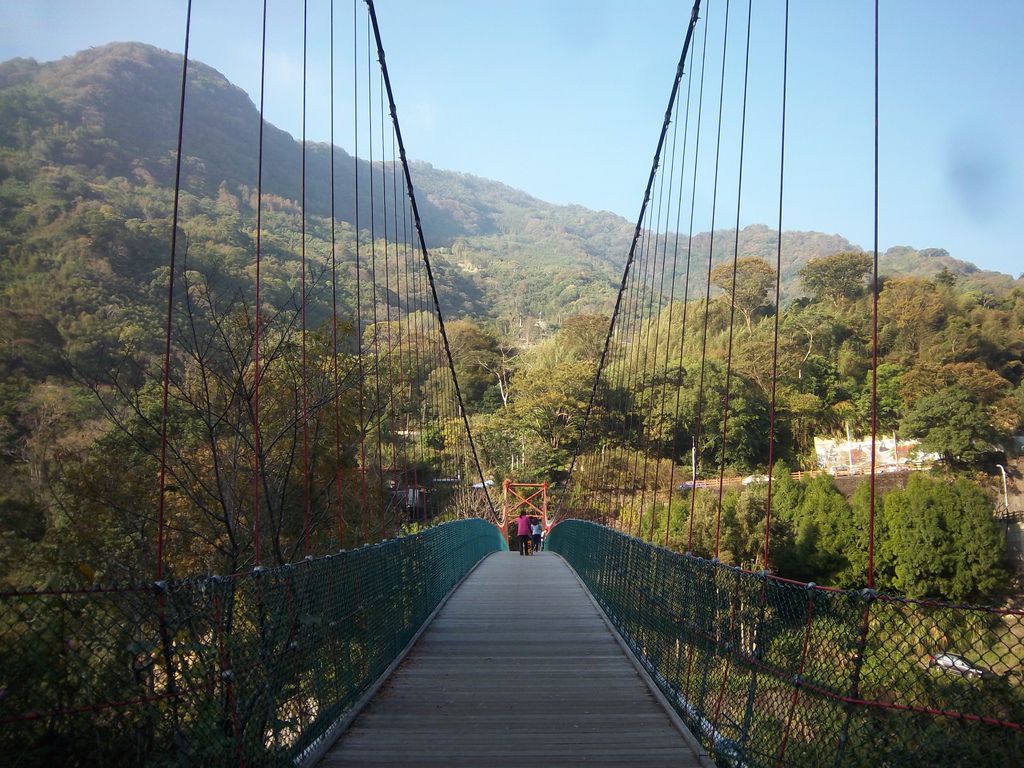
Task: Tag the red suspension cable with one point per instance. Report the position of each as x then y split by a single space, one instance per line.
874 337
778 284
334 312
377 406
425 254
257 447
672 296
302 308
671 307
732 293
629 259
707 296
360 358
170 306
680 372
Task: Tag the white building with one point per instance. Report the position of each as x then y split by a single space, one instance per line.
853 457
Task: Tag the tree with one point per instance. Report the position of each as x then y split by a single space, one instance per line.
1018 396
584 336
945 542
836 277
945 278
908 309
502 366
953 423
743 540
988 388
477 362
824 532
754 278
550 402
210 510
889 399
544 413
858 554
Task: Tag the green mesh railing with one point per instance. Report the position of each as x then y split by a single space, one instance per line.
768 672
240 670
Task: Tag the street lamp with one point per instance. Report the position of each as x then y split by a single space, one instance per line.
1006 498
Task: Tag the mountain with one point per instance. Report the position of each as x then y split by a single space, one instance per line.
110 113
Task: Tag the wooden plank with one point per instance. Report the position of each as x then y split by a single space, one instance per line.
518 669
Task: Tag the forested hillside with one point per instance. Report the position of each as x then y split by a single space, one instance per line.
86 171
111 113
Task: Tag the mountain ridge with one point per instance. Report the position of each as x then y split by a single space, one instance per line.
561 259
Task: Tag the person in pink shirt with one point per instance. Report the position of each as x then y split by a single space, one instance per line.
524 533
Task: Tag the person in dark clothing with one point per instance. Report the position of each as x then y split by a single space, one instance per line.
524 533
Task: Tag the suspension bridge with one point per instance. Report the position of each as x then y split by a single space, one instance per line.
370 611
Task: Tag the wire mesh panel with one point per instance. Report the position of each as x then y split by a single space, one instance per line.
240 670
767 672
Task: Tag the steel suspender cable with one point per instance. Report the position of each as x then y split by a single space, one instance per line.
728 369
732 293
416 395
257 447
334 314
635 381
414 302
303 376
397 431
388 413
377 406
654 308
162 502
707 296
677 381
623 383
633 364
652 319
671 307
778 285
409 364
360 357
619 365
763 591
686 281
632 250
874 336
662 381
423 247
632 371
868 594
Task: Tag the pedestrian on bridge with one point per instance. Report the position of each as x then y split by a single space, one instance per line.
524 533
535 529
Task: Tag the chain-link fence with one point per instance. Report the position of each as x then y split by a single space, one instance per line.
239 670
769 672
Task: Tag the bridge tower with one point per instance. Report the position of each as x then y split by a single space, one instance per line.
515 496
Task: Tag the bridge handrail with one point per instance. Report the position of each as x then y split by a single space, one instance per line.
246 669
768 671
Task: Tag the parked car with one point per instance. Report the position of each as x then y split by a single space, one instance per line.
953 663
750 479
688 484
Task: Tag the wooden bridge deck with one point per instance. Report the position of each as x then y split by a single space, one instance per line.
518 668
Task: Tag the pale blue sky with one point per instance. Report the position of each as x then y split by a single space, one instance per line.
564 98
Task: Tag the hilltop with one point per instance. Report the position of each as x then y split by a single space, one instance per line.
110 113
